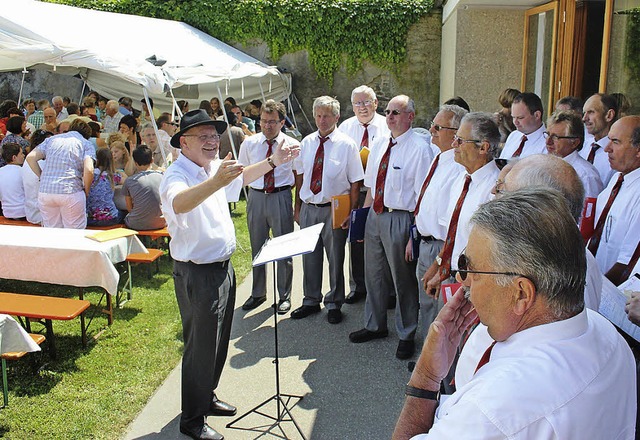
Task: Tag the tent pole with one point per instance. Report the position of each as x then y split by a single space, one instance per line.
84 85
155 126
24 72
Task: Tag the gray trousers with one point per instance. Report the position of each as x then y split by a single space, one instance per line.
385 238
333 241
356 259
206 296
429 307
270 212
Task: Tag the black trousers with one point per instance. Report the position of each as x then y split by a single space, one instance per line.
206 296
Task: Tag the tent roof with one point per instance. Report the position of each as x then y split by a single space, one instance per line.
110 51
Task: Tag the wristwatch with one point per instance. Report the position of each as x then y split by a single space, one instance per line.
421 394
270 162
439 260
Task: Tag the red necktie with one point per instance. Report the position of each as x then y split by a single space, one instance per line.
597 234
365 137
270 178
518 152
316 174
378 200
592 153
447 252
485 357
432 170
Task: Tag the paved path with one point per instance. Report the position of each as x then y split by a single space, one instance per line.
351 391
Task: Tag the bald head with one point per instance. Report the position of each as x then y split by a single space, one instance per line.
547 171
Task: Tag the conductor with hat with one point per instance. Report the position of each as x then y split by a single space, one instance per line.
194 203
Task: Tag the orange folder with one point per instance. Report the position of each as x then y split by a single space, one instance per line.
340 209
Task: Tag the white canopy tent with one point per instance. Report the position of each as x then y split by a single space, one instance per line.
126 55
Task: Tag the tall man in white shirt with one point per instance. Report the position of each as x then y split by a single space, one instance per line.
617 219
329 165
526 111
433 199
194 204
524 272
364 128
396 170
269 205
600 112
111 121
565 137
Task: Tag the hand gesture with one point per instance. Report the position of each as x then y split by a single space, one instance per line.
285 153
229 170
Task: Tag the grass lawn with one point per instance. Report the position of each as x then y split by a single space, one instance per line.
95 393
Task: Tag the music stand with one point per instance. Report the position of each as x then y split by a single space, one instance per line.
285 246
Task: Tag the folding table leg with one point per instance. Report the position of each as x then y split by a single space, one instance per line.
5 384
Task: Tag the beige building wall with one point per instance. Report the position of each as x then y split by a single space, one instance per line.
481 54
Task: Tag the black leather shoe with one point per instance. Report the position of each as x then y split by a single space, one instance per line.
284 305
204 433
355 297
334 316
405 349
365 335
252 303
304 311
220 408
391 303
411 366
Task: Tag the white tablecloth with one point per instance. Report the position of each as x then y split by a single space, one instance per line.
13 337
63 256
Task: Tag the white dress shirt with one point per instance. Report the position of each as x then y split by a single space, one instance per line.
600 160
536 143
254 150
408 166
31 186
342 166
377 128
206 233
482 182
588 174
620 234
437 196
545 382
12 191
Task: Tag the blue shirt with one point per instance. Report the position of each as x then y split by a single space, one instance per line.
65 154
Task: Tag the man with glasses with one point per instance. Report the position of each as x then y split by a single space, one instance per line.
523 275
329 165
269 206
364 127
564 137
194 204
395 173
526 111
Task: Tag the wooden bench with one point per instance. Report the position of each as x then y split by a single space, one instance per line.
156 234
138 258
48 308
11 356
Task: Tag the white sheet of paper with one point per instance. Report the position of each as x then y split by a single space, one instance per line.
613 301
289 245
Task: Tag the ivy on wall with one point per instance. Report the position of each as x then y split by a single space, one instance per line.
632 56
330 30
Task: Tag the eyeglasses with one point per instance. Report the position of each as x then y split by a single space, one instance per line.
392 112
498 188
458 140
438 127
204 138
265 122
463 264
555 137
362 103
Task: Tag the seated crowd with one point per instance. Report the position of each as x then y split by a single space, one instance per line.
527 212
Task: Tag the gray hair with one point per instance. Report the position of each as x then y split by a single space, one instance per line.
457 113
484 127
56 99
574 122
548 171
112 104
327 102
146 125
409 104
364 89
534 234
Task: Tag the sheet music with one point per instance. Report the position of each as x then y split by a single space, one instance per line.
613 302
289 245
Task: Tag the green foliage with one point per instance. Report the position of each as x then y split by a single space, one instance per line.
330 30
632 57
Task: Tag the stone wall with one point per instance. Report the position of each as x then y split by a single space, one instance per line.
39 84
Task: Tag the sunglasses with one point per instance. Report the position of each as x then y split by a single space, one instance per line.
392 112
463 269
458 140
438 127
555 137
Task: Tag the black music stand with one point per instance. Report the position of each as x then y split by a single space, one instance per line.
285 246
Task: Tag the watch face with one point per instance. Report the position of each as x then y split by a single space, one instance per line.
439 260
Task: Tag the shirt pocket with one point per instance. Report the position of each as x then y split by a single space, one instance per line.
332 168
395 175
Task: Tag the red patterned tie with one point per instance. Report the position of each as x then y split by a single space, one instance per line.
432 170
378 200
447 252
270 178
316 174
365 137
592 153
597 234
485 357
518 152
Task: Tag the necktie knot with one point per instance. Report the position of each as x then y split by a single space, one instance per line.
323 139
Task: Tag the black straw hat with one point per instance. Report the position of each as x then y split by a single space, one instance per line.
195 118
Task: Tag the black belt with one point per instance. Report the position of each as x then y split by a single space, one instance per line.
320 205
275 190
385 209
215 265
428 238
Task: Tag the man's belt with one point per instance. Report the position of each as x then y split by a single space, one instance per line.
320 205
385 209
275 190
428 238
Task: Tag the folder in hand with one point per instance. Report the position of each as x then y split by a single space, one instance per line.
356 226
587 219
340 208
